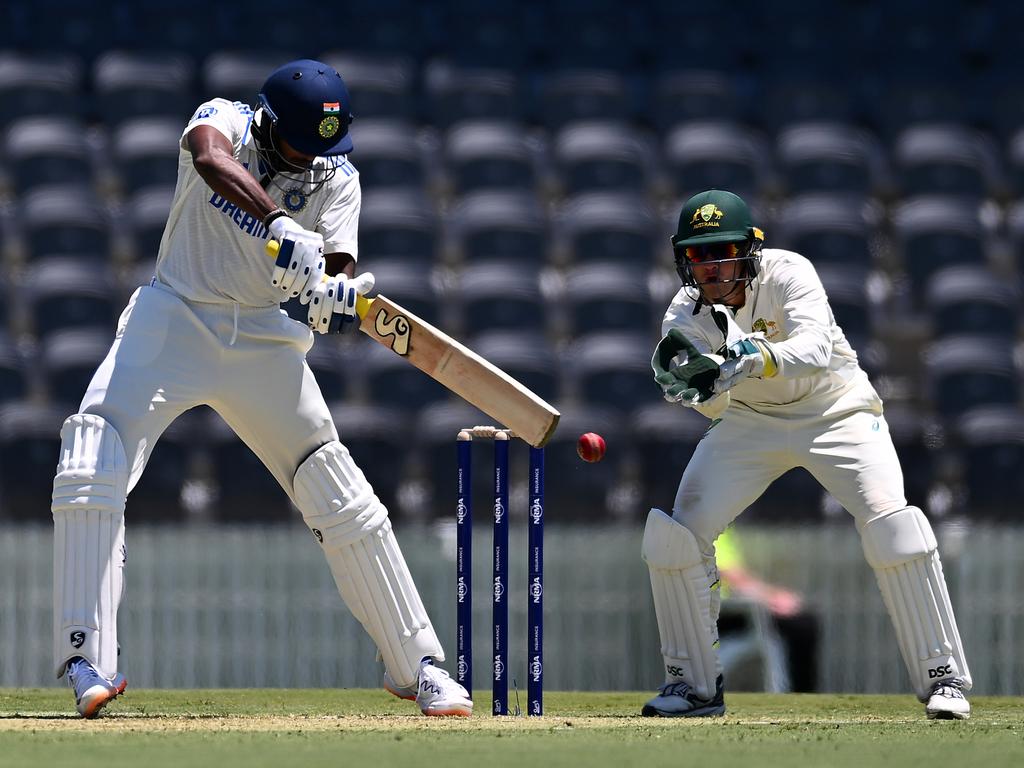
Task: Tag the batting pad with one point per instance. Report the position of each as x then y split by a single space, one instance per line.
683 603
89 494
902 550
353 528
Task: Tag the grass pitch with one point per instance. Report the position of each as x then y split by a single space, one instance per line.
150 728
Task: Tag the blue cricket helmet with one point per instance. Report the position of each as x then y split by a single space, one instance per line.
309 105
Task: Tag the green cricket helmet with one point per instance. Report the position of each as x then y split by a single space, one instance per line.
715 226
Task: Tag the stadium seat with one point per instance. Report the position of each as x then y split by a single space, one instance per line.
71 293
47 150
830 157
146 214
39 84
135 84
936 232
574 490
598 156
158 495
828 228
29 449
609 296
145 152
526 356
238 75
491 155
593 34
409 282
326 361
969 370
397 222
572 95
468 94
846 288
436 428
70 357
14 378
500 225
607 226
382 87
683 96
809 95
64 220
916 438
717 155
613 370
665 436
991 442
496 295
390 381
378 439
246 491
972 299
937 159
687 36
389 154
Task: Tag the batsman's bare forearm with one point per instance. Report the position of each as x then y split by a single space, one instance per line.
214 161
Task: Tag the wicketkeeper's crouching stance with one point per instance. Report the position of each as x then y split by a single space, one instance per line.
209 330
751 342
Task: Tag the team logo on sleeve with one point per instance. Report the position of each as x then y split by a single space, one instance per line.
294 199
768 327
203 113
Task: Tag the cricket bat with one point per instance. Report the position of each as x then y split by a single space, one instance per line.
455 366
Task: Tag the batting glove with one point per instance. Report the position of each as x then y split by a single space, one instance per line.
300 260
332 305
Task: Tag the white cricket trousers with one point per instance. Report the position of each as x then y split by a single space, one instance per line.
248 364
850 452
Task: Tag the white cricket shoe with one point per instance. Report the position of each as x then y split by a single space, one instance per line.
92 690
436 694
946 701
679 700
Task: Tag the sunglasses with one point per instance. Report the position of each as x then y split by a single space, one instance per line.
712 252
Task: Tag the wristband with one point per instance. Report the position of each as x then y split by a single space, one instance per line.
274 214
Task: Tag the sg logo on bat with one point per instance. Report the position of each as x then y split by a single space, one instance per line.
397 326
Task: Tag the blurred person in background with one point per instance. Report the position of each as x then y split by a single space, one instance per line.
209 330
792 621
751 342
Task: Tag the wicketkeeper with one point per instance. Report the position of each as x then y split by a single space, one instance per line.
750 341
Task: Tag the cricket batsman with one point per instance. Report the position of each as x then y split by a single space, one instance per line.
750 342
208 329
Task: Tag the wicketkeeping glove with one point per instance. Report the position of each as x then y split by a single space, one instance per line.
749 357
693 381
332 306
300 259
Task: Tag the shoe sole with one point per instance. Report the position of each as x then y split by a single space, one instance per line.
949 715
90 706
451 712
395 692
649 711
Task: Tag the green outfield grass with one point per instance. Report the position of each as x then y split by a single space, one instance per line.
343 728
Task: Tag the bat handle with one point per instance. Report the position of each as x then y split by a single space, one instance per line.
362 303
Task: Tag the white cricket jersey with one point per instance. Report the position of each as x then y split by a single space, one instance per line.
213 252
786 303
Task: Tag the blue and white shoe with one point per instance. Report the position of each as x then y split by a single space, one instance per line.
436 694
679 700
92 690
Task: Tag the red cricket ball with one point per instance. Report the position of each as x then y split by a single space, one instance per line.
590 447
